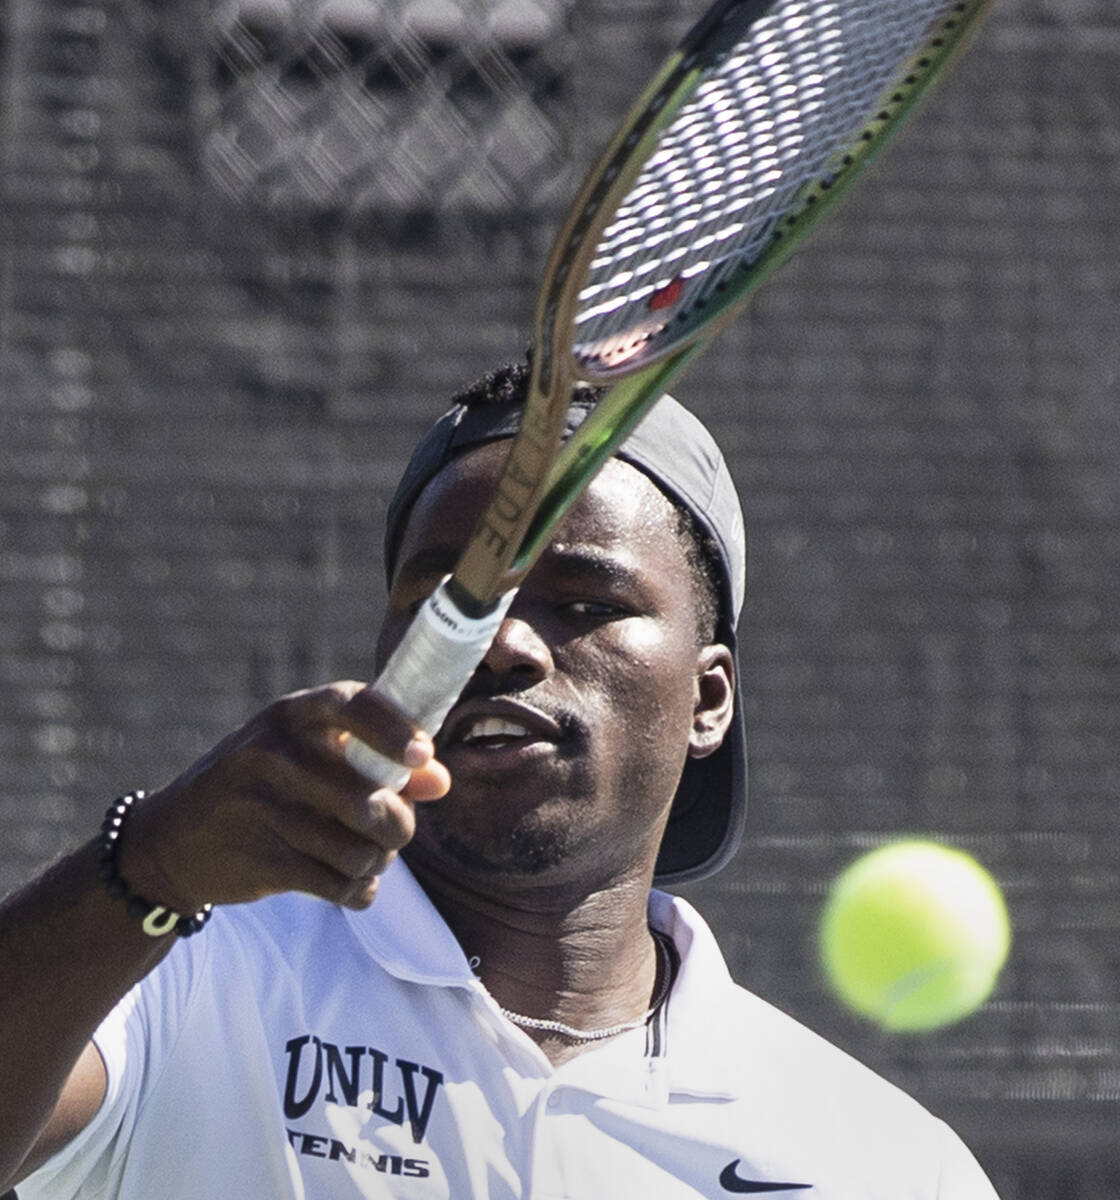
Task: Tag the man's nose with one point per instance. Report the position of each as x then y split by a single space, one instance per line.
518 649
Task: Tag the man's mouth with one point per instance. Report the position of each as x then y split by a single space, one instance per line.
492 731
495 725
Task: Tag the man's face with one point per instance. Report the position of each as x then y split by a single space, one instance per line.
567 745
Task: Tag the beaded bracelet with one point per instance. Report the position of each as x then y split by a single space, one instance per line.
155 919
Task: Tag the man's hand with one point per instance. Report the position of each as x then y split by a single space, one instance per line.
276 807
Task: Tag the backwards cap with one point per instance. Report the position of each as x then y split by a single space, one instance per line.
680 456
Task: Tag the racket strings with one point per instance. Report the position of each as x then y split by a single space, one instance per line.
767 122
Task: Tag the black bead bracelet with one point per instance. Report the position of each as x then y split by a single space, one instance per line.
156 920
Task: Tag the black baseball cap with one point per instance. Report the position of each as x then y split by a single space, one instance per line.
674 449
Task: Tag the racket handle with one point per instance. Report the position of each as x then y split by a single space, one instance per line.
426 672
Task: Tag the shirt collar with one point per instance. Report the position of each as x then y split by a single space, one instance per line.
405 934
702 1015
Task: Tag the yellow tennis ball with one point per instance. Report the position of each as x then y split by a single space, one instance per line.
913 936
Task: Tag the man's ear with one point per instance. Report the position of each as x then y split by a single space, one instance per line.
714 699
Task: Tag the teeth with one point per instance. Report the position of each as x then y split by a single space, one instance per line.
491 727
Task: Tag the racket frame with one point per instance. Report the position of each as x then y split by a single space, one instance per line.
492 562
540 479
620 410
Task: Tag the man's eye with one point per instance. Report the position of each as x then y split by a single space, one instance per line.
593 608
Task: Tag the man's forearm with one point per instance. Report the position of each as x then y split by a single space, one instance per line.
68 953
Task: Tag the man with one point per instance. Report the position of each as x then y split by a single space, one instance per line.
494 1003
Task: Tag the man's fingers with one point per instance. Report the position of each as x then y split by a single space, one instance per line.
277 806
319 716
381 725
430 782
332 731
321 838
331 790
301 873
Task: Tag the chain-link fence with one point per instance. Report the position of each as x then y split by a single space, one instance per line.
249 249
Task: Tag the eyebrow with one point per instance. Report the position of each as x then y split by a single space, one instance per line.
569 562
589 562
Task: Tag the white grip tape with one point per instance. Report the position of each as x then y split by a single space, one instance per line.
426 672
375 767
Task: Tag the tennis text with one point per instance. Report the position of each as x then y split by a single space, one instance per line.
315 1146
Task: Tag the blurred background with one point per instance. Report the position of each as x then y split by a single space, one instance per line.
249 249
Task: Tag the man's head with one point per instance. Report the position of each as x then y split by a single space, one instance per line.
638 692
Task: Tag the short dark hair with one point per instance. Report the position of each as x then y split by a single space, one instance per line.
507 384
702 555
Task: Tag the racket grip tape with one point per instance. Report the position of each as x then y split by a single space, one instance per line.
430 666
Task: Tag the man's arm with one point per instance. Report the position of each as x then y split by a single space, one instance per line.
67 954
274 807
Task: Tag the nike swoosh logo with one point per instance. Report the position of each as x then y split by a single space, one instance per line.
731 1181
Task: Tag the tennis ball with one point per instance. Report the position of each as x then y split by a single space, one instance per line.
913 936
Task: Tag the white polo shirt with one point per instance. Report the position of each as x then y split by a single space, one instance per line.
296 1050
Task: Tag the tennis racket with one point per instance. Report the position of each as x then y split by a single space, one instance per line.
750 132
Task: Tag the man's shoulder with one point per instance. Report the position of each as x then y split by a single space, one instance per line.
790 1050
789 1078
814 1104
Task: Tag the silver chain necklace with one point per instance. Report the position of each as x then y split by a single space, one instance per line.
608 1031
